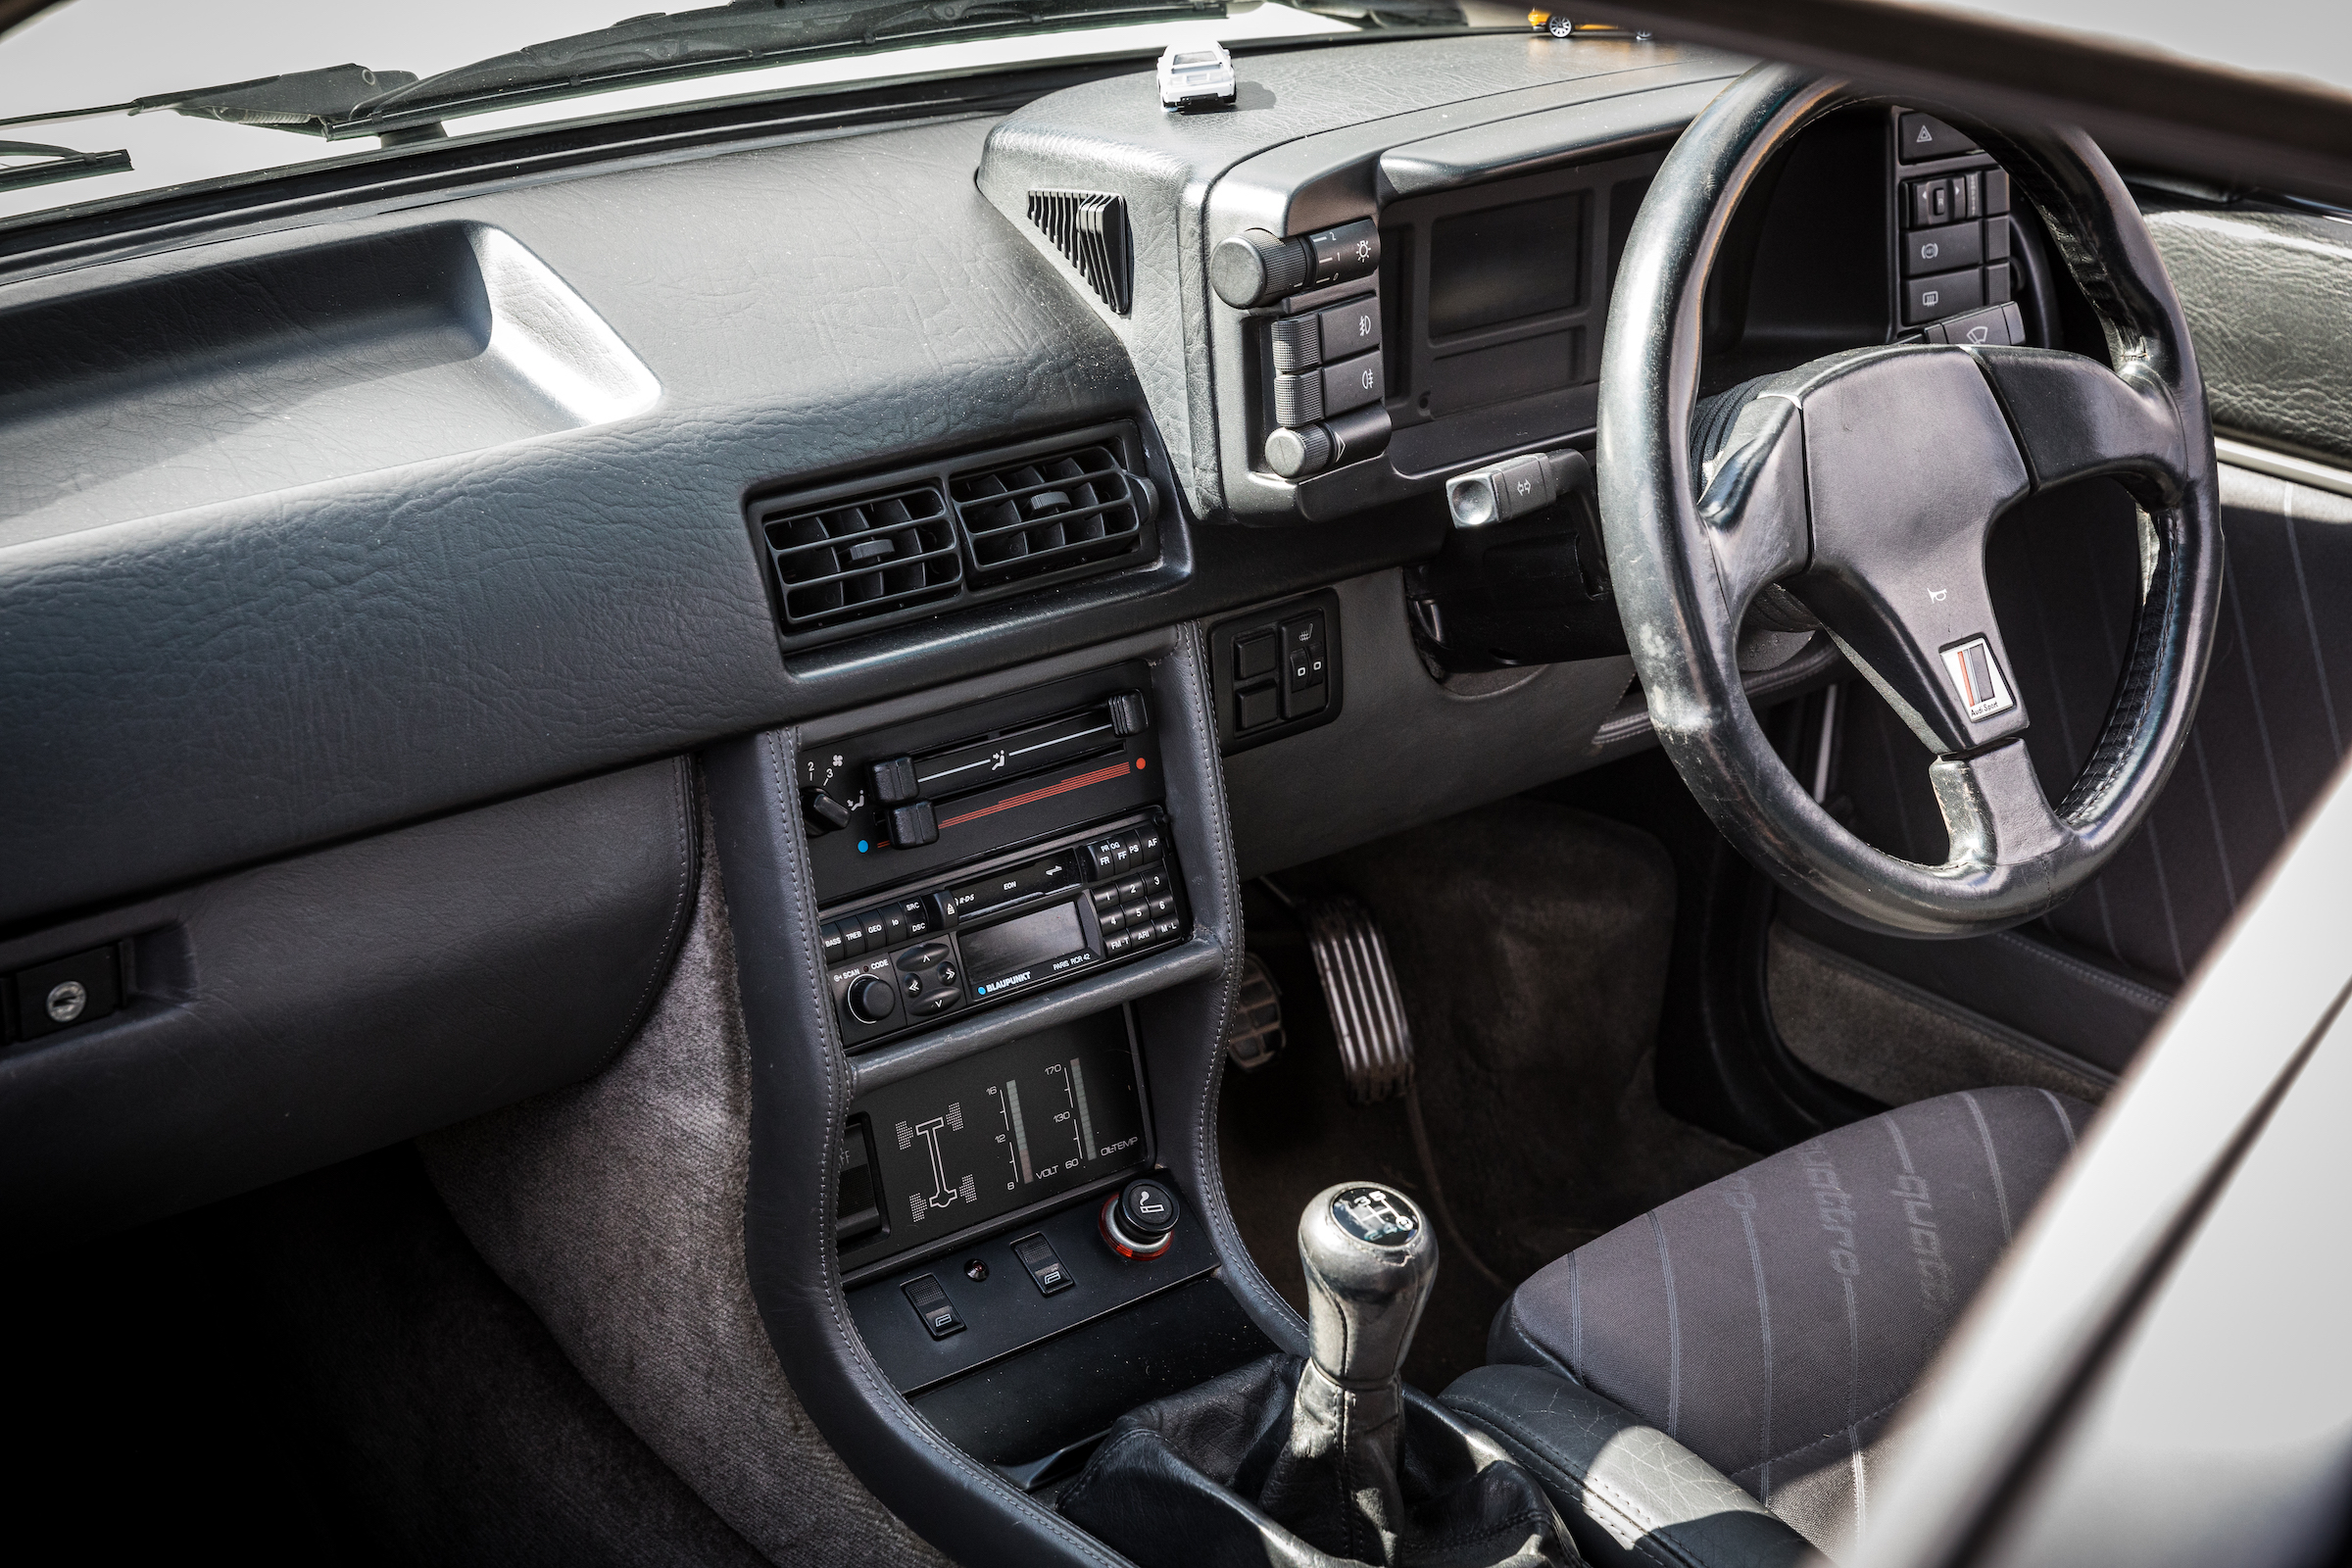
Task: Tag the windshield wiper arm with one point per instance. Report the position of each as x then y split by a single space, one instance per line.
64 163
307 101
739 35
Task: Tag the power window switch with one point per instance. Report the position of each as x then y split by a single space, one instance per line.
1038 1257
931 1304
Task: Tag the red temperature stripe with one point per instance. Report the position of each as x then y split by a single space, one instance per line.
1098 776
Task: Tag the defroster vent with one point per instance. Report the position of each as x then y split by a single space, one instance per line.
1026 520
1090 228
865 558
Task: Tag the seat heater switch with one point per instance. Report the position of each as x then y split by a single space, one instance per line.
931 1304
1038 1257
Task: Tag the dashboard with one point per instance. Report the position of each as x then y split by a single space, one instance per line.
1031 521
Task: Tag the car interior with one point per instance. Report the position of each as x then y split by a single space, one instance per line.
1401 819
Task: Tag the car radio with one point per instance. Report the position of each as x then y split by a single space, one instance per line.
1006 926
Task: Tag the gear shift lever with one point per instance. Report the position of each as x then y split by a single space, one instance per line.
1192 1477
1370 1261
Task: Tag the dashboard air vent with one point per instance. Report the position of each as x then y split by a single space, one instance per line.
1090 228
863 558
1064 510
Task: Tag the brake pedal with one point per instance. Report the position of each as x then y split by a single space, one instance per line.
1360 987
1254 1037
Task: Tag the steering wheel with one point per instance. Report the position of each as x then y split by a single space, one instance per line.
1859 490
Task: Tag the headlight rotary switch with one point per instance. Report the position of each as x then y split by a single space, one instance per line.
1257 266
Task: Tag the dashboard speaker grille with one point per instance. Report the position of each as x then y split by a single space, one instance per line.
864 557
1029 519
1090 229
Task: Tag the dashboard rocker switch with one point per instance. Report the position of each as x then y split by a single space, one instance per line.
1139 1221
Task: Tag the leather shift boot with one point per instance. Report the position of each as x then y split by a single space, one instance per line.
1273 1463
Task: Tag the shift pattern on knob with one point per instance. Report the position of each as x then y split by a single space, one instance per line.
1370 1259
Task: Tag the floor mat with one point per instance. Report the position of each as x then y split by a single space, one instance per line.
1531 940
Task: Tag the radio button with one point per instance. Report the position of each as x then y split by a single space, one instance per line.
1165 903
877 929
1107 898
852 936
924 956
830 937
1110 920
1138 914
1168 928
923 916
1155 882
1130 890
1150 840
893 926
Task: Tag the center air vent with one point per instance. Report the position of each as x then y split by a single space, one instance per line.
868 557
1029 519
904 546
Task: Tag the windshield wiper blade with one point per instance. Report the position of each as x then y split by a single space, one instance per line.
739 35
62 163
307 101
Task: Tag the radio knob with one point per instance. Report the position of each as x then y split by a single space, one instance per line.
871 1000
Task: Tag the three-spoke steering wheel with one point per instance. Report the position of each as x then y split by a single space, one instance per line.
1865 485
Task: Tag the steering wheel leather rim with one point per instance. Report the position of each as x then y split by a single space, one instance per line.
1684 579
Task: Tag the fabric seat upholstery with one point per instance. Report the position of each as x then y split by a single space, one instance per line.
1772 1321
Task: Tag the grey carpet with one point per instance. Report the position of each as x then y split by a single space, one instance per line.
1530 942
444 1423
616 1209
1898 1044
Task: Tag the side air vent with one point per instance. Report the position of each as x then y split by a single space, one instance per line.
887 548
1029 519
1090 228
867 557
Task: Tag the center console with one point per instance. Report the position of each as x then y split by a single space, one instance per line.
987 939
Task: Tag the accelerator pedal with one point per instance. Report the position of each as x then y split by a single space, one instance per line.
1360 987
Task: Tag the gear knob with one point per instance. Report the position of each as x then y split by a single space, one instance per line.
1370 1261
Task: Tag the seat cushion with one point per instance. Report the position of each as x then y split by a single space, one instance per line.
1772 1321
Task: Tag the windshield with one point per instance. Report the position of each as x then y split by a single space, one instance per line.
104 99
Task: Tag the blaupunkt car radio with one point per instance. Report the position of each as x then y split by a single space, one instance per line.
1009 925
